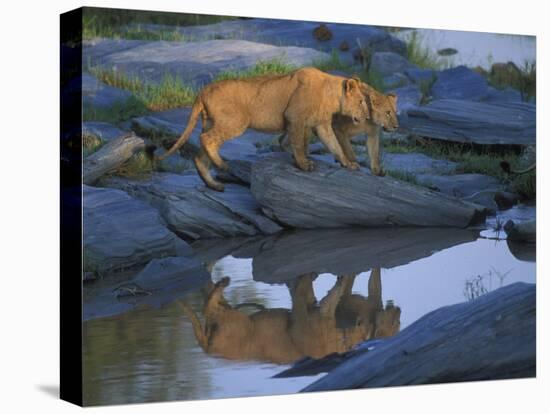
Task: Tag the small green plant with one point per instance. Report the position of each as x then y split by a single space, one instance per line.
170 92
116 113
524 79
275 66
131 24
332 63
422 56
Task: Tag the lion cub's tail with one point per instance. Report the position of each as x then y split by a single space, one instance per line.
196 110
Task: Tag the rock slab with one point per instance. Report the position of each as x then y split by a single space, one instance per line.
332 197
492 337
121 232
478 122
193 210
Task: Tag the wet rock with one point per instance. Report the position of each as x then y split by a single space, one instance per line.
460 185
332 196
415 163
501 327
98 94
121 232
506 200
467 121
193 210
407 97
460 83
525 231
161 282
387 63
194 62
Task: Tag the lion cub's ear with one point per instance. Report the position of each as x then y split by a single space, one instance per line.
350 85
393 100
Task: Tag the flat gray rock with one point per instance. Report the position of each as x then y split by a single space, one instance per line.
387 63
296 33
103 131
395 80
196 211
99 94
332 196
121 232
415 163
460 83
195 62
467 121
460 185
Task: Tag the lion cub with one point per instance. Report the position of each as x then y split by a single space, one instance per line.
383 114
296 103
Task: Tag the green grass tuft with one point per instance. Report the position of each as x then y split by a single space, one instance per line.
422 56
118 112
128 24
275 66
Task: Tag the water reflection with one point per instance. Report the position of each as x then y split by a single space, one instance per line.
311 328
294 294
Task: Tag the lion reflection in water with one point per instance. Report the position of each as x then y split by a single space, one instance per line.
336 323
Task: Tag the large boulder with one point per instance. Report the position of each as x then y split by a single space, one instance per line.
120 232
407 97
467 121
332 196
460 83
193 210
194 62
387 63
460 185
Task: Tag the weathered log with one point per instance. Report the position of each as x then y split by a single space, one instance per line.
110 157
468 121
492 337
332 196
525 231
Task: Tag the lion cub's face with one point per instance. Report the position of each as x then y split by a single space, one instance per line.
384 109
384 112
354 102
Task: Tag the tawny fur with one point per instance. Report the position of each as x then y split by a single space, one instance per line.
383 114
336 323
303 100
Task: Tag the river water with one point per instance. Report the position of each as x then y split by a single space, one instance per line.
152 354
476 48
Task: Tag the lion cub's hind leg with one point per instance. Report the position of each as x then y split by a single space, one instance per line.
202 163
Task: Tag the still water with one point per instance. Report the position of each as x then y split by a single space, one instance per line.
475 48
313 292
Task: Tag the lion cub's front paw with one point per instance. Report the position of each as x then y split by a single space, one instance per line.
353 166
379 172
306 165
